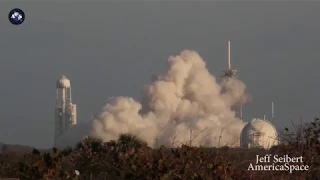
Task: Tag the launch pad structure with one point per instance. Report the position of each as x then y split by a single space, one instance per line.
257 132
65 110
232 73
229 72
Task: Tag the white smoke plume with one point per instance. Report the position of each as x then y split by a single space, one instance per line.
186 101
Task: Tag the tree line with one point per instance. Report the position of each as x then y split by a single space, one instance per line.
130 158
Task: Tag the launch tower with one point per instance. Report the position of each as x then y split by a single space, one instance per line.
231 73
65 111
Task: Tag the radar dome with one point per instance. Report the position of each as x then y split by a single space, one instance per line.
63 82
259 133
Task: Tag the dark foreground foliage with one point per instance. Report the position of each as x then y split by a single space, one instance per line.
131 158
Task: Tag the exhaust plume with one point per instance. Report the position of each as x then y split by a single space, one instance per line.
184 104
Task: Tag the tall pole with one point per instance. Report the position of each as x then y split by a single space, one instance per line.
272 106
220 137
229 56
56 120
190 137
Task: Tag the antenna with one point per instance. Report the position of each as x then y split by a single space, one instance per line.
229 62
264 116
272 110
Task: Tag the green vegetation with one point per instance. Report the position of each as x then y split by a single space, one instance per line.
131 158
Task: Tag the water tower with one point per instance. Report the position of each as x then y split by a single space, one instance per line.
65 111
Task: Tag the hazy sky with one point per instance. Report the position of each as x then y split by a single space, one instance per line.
114 48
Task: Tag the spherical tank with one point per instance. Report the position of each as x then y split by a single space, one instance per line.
63 82
259 133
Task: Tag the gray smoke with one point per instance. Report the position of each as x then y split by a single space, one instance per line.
186 101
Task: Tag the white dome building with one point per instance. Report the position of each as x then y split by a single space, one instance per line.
259 133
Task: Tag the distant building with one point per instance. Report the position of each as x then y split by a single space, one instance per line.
65 111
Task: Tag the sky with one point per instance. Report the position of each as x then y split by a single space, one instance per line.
112 49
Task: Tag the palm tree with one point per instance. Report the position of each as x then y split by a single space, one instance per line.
91 143
130 140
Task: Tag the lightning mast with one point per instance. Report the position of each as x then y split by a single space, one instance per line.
272 111
65 111
231 73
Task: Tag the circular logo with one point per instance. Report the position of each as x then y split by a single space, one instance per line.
16 16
